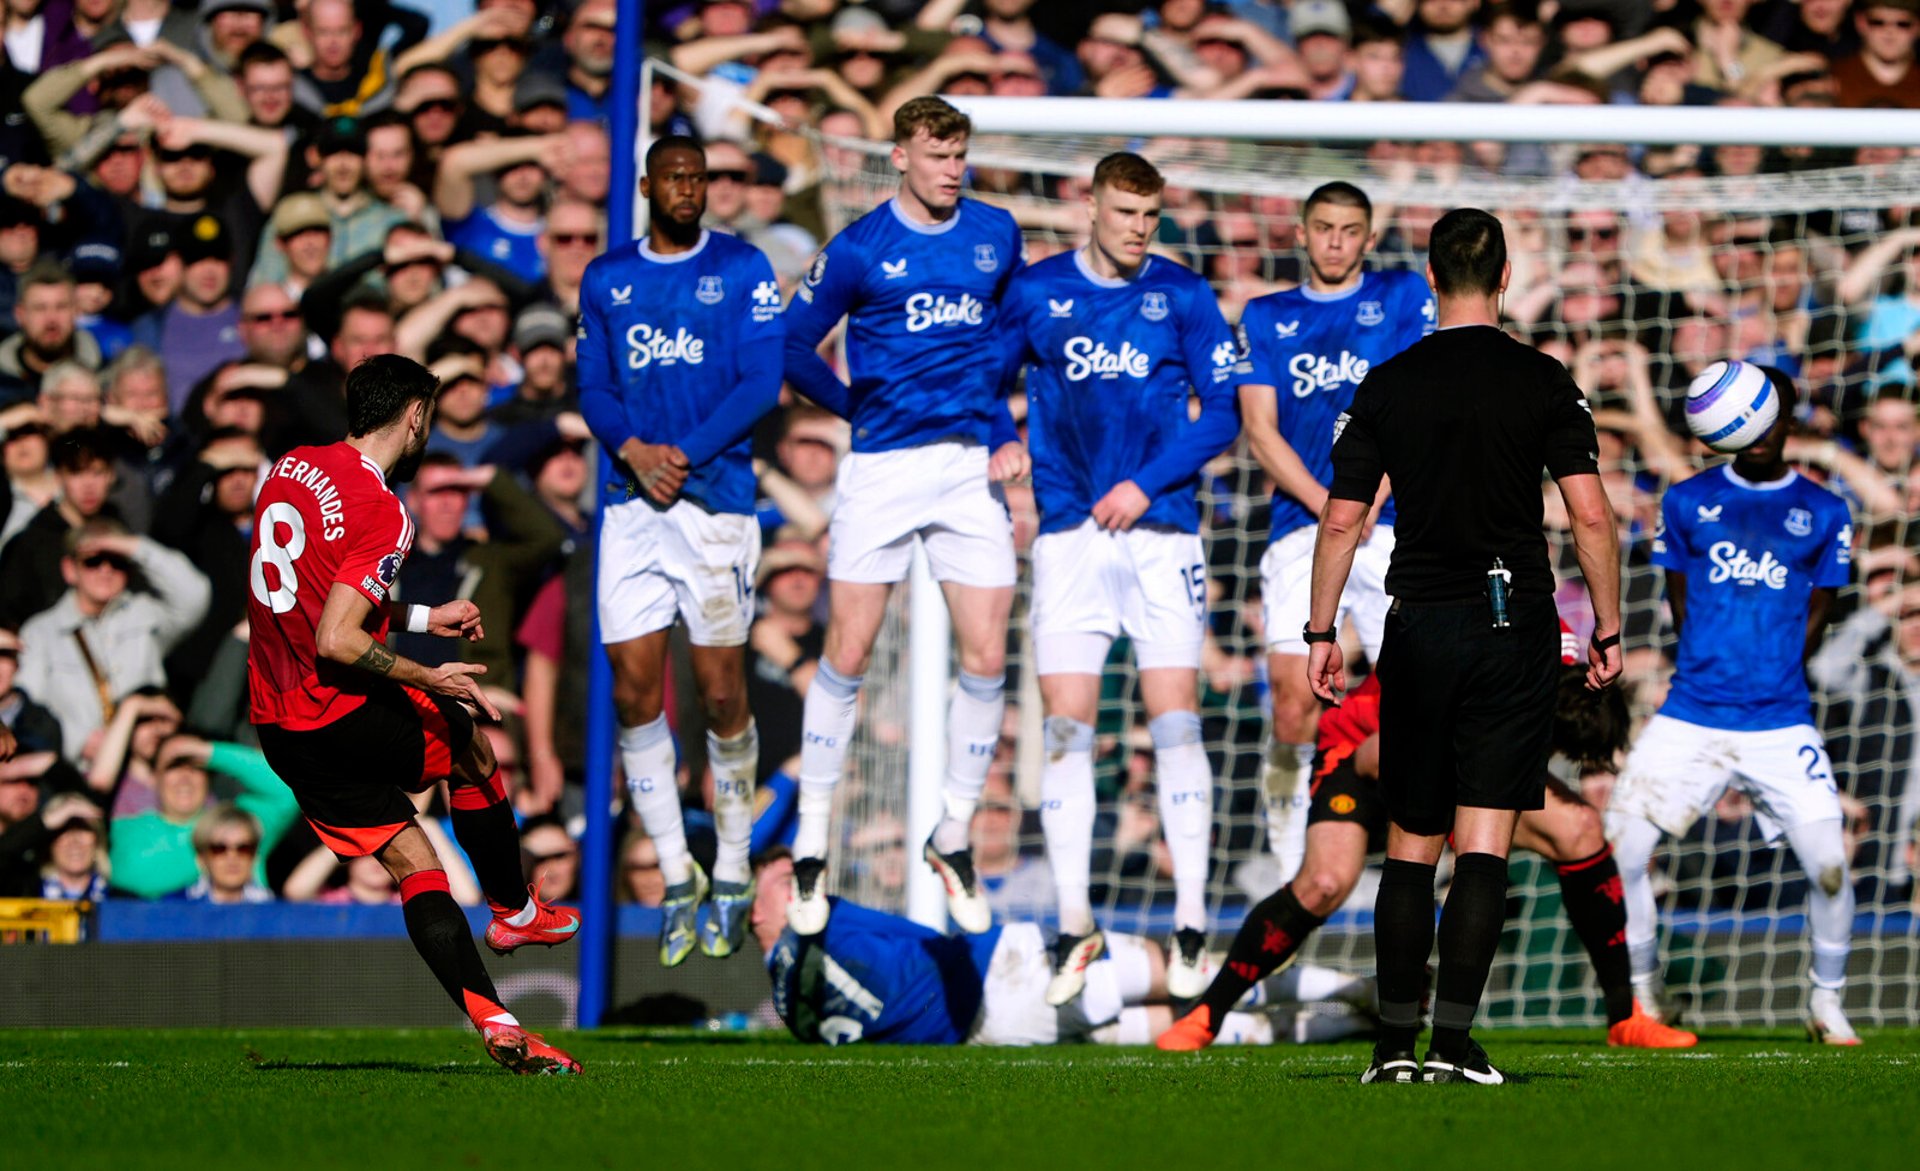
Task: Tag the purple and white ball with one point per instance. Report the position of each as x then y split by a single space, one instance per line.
1731 405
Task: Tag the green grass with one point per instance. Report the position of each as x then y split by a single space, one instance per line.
375 1101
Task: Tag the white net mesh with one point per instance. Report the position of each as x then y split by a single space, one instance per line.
1782 257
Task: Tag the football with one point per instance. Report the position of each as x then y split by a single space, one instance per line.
1731 405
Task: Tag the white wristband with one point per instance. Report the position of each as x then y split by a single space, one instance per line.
417 619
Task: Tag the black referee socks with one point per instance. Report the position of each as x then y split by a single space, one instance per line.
1272 933
1403 939
1469 934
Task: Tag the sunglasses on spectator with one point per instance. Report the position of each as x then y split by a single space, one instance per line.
1582 235
222 849
436 106
112 560
1890 22
560 855
267 317
197 153
481 48
728 176
590 239
10 652
124 148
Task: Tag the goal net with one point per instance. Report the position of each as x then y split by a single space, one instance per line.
1637 266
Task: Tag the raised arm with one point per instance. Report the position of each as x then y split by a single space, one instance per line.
1861 280
266 148
453 185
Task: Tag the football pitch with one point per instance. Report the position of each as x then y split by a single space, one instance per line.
428 1098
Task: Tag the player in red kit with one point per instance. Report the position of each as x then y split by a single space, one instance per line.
1347 817
352 728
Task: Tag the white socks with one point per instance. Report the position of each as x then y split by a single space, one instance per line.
735 762
973 733
1185 785
1633 846
646 752
1284 781
827 733
1823 855
1067 808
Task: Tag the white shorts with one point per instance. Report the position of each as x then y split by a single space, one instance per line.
1286 590
684 562
1677 771
1090 586
938 492
1014 1008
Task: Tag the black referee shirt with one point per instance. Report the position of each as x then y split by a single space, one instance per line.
1462 422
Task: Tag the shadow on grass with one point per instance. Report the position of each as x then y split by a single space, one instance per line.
364 1066
703 1038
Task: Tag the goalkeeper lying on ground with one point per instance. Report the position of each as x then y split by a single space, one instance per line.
877 977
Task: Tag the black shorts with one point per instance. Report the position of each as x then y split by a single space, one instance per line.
352 776
1466 711
1339 793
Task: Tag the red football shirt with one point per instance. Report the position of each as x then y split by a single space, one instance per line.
324 515
1358 716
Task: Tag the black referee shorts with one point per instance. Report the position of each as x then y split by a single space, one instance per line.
1466 711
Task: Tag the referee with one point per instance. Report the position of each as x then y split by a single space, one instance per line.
1461 423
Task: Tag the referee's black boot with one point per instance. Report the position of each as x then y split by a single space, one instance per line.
1474 1068
1395 1066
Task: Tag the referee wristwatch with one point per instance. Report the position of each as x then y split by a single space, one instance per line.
1310 636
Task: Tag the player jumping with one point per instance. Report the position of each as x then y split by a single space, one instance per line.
919 281
352 727
1116 339
1347 819
1753 552
680 351
1309 348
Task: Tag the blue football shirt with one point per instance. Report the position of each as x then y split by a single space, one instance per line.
1752 554
682 350
921 302
1314 349
1113 363
876 977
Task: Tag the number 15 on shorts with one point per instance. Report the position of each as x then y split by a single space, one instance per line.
1195 576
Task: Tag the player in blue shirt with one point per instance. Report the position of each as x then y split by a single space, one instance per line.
1310 347
679 357
919 281
874 977
1117 341
1753 553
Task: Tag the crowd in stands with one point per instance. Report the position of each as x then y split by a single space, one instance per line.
208 215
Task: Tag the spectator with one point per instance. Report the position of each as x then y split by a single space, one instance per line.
314 407
390 165
551 859
201 328
1811 26
123 766
1730 56
265 77
226 846
1378 63
34 728
1007 27
197 187
729 171
272 331
102 640
784 646
76 867
156 854
23 834
499 574
97 269
1882 72
1323 37
30 565
349 73
49 333
119 78
434 104
1512 42
542 348
1440 49
207 514
505 230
